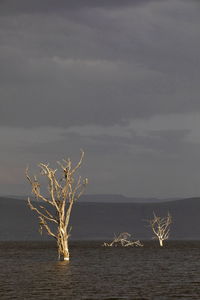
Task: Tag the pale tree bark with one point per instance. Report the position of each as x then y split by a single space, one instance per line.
161 227
123 239
64 187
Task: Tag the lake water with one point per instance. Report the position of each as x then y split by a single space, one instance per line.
30 270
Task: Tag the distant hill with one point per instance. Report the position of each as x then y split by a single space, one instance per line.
112 198
92 220
109 198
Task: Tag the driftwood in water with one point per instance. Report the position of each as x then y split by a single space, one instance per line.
123 240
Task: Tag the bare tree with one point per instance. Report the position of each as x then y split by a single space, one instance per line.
63 188
123 240
161 227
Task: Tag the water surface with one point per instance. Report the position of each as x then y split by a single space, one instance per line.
30 270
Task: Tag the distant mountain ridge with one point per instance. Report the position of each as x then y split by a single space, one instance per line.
108 198
99 221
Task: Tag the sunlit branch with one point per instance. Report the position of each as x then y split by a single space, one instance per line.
62 192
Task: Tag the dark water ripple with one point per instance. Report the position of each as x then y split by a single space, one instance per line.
31 271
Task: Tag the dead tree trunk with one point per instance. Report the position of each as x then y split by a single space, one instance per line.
63 249
62 191
161 227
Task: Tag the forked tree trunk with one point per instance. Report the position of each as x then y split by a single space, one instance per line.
63 248
161 242
66 251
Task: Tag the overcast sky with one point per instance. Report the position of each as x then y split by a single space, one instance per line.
119 79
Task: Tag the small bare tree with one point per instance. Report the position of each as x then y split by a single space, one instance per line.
161 227
63 189
123 240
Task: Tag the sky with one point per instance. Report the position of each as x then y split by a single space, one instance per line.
118 79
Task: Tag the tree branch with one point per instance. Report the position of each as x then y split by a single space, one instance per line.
40 213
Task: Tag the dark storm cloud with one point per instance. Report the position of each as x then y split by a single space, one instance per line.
160 141
37 6
118 78
165 141
64 65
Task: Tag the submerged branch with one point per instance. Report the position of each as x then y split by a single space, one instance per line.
123 240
